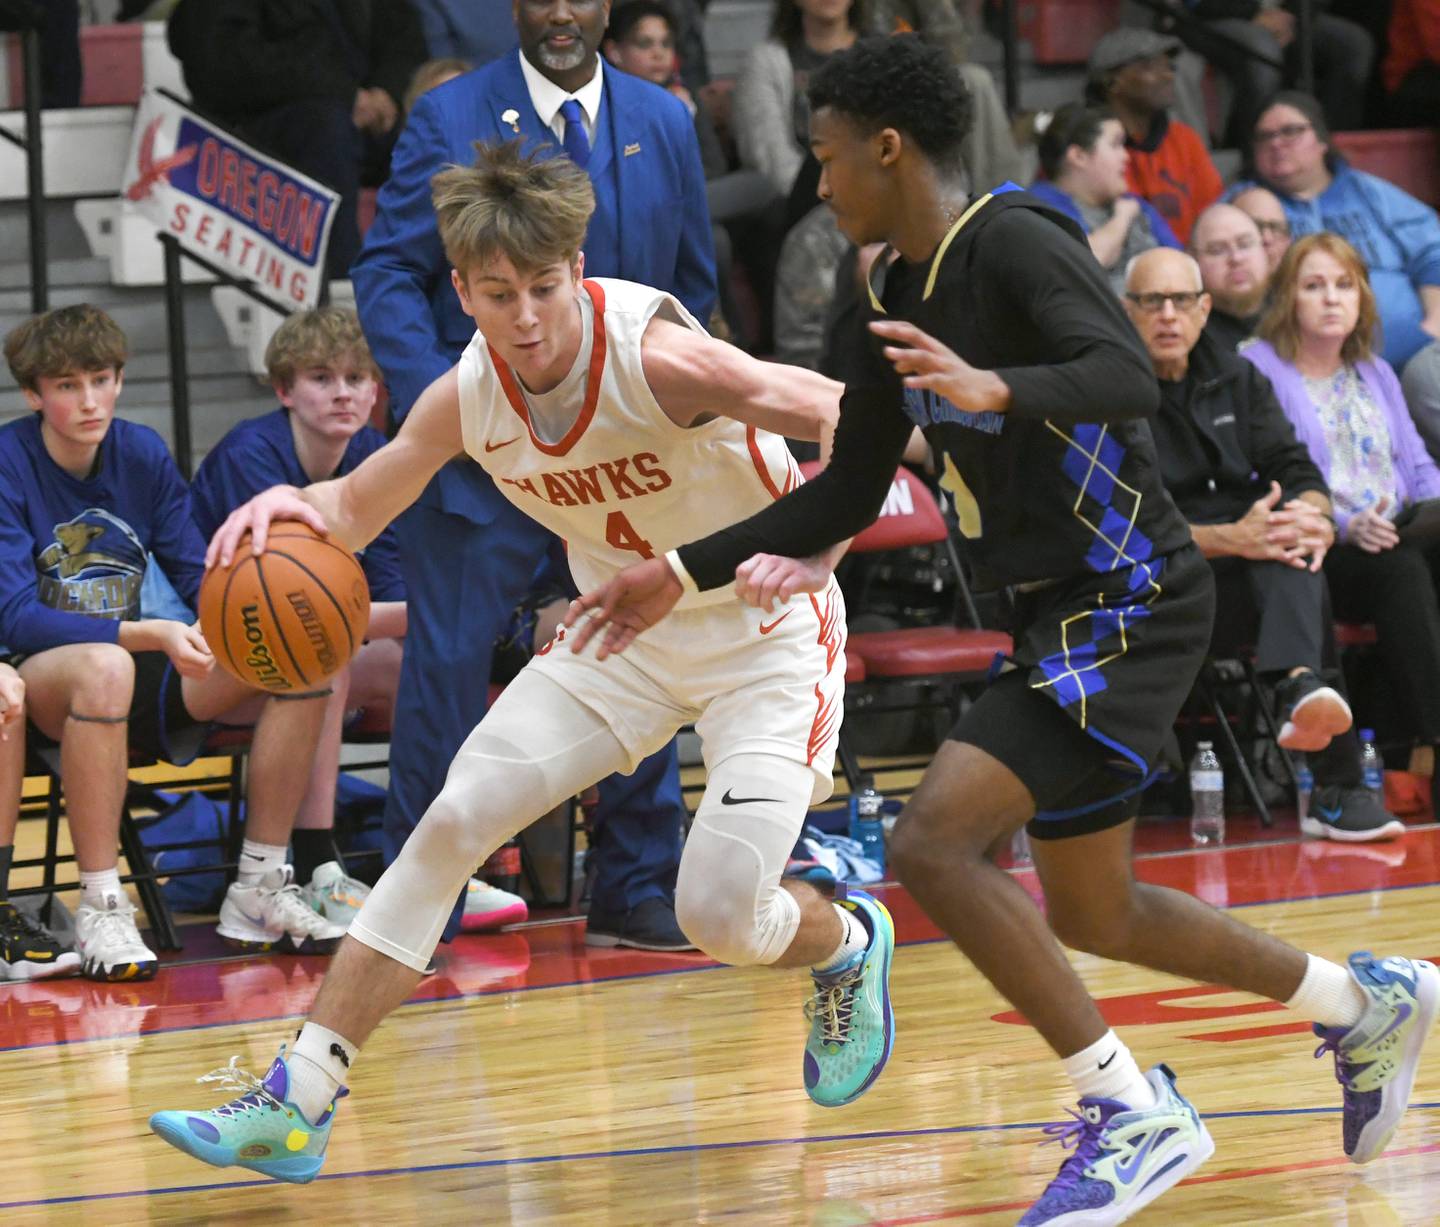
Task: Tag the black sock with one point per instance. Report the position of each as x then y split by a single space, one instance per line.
309 850
7 854
1339 762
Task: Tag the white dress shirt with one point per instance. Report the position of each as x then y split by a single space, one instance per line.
547 98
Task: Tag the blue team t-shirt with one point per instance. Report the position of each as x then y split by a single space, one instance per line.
259 453
73 551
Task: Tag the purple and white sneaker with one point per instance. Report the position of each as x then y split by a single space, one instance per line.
1122 1159
1375 1060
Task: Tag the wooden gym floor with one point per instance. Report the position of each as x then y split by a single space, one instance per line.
533 1081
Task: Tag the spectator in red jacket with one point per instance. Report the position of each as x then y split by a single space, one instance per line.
1132 71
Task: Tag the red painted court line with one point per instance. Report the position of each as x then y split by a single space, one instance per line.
1251 1173
249 990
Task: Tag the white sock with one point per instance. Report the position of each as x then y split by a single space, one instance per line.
1106 1070
319 1064
257 859
855 941
96 887
1328 995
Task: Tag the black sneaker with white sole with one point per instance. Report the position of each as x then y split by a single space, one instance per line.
29 952
649 925
1350 815
1311 713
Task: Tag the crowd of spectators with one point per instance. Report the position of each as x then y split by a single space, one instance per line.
1292 317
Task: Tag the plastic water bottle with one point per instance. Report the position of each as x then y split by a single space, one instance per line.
1207 797
867 820
1020 848
1372 769
1304 786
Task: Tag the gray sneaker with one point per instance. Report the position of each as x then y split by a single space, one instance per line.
1350 815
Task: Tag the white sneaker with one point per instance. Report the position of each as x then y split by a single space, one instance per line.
334 894
109 944
488 907
274 914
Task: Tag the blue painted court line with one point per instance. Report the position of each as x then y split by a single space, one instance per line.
640 1152
635 975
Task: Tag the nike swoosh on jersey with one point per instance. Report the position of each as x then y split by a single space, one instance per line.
727 799
765 630
495 447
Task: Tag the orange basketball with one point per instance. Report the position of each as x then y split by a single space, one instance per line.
290 619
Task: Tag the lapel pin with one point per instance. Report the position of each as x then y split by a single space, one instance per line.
629 149
511 117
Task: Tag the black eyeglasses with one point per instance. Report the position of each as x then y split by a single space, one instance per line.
1280 230
1184 300
1286 133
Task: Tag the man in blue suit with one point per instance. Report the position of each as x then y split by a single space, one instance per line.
468 555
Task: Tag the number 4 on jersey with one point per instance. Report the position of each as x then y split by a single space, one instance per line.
621 534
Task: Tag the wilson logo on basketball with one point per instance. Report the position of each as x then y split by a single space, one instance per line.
286 620
259 658
325 653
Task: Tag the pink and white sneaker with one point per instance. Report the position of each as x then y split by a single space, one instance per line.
488 907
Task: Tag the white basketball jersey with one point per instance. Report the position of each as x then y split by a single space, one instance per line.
625 482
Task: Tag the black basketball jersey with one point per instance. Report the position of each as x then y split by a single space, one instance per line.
1064 482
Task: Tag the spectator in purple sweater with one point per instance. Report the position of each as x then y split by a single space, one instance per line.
1316 347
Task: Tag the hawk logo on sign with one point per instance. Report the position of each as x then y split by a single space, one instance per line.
151 171
246 213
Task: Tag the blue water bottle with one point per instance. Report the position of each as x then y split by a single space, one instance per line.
1372 769
1304 787
867 820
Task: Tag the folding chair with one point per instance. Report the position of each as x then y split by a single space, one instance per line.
232 744
938 663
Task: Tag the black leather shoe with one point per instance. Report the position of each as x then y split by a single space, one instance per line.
649 925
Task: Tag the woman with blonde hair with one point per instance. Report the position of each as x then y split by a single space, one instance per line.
1318 346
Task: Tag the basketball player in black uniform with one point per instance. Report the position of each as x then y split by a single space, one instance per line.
993 330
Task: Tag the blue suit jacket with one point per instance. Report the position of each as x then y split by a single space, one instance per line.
651 225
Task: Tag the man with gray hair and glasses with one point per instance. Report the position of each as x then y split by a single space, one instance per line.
1260 513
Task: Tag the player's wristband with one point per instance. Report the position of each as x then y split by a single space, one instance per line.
687 581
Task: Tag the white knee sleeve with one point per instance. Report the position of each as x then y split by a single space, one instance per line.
729 900
536 747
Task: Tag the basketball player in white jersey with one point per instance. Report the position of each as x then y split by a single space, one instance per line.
603 410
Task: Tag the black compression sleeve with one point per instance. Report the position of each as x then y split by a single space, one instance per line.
837 503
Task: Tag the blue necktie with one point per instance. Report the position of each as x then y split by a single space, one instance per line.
577 144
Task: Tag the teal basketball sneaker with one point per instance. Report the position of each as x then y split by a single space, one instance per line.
852 1025
262 1130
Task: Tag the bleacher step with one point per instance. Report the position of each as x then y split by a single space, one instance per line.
64 240
151 364
140 313
62 273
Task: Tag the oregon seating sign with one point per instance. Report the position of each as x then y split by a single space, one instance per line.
242 210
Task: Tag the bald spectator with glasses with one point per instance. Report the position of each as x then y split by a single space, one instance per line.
1259 510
